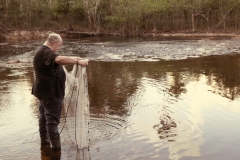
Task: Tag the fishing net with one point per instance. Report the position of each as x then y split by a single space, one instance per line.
76 106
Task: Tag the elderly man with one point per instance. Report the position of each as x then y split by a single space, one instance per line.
49 87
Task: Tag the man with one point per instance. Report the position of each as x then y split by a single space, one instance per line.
49 87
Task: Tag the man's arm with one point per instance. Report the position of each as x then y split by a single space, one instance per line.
64 60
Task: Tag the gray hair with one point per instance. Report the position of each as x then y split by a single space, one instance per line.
54 37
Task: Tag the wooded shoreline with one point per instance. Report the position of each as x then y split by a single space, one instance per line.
28 35
121 17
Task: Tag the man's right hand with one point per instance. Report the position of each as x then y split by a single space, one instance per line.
83 62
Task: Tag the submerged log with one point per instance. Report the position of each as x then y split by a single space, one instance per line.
79 34
13 61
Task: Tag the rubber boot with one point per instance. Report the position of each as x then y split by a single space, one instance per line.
44 139
46 152
56 143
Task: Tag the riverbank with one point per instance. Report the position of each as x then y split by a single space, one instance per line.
36 34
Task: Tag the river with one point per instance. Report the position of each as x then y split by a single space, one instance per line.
150 98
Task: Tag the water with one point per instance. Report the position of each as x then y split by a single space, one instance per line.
149 99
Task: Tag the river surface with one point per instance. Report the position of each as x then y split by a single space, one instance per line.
170 98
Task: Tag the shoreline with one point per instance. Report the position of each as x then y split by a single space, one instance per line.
30 35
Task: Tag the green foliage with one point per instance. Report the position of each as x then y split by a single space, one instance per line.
114 22
123 15
62 7
78 12
2 7
153 6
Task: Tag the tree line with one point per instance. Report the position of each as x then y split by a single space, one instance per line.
127 17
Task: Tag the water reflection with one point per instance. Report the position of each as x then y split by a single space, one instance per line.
18 118
160 97
111 83
184 109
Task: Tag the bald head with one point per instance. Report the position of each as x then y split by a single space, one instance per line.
54 41
54 38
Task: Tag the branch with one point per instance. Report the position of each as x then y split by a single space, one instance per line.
225 16
3 25
204 16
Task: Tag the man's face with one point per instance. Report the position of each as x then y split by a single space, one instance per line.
56 45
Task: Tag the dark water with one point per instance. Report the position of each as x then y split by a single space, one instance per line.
149 99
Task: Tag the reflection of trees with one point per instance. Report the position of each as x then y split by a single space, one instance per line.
222 73
111 83
224 77
11 80
178 86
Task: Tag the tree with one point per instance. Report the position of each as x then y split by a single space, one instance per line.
91 8
153 9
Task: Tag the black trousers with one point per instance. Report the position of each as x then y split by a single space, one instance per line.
50 114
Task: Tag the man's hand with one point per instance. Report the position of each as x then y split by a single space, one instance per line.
78 58
83 62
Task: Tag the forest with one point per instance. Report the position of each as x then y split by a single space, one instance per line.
126 17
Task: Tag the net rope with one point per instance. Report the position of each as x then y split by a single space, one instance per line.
76 106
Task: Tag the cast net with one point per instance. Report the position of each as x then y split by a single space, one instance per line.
76 106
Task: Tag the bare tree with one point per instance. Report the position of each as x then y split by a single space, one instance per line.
91 8
7 4
225 15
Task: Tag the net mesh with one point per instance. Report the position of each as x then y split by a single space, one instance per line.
76 106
